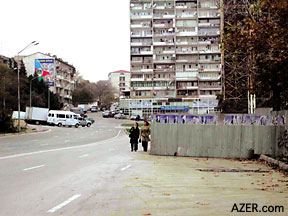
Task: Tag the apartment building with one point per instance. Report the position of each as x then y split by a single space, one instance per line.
62 77
120 80
175 51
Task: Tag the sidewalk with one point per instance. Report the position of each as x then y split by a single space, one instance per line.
176 186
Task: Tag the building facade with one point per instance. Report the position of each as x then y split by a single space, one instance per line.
120 80
175 49
62 79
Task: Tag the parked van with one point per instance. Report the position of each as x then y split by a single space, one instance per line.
62 118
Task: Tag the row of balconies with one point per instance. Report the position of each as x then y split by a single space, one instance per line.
172 16
179 34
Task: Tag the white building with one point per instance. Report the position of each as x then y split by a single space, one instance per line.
120 80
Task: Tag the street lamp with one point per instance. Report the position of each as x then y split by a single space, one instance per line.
33 43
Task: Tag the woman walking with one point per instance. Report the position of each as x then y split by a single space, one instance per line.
134 137
145 132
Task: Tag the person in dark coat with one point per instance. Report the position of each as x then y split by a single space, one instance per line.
134 137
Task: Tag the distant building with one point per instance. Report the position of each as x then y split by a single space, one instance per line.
62 80
120 80
4 60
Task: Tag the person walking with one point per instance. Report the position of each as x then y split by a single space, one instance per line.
145 132
134 137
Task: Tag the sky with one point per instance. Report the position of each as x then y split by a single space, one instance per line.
92 35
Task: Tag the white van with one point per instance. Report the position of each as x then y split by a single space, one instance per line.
62 118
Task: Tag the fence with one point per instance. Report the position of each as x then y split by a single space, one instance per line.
215 137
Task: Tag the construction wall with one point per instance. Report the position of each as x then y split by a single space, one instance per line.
220 141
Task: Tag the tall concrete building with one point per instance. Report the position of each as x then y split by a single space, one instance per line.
175 51
120 80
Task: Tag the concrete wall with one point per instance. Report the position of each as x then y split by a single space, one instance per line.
220 141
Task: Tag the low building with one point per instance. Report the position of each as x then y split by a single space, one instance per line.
120 80
147 107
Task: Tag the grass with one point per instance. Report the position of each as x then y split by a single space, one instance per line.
131 125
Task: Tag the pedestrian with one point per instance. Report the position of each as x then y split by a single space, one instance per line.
134 137
145 132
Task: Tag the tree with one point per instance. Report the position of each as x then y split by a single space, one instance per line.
256 51
102 88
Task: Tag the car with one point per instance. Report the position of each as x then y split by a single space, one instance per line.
120 116
90 119
84 122
94 109
136 118
107 114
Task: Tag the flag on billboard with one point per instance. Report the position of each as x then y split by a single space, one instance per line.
45 70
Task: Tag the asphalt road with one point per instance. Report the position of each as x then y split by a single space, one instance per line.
91 171
43 173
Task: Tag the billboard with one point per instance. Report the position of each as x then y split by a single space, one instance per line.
45 70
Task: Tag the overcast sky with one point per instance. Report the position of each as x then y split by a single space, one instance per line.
92 35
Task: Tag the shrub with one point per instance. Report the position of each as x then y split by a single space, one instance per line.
6 123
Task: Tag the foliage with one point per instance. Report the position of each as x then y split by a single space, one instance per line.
87 92
283 144
256 50
9 90
6 124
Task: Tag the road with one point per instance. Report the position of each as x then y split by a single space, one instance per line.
91 171
41 171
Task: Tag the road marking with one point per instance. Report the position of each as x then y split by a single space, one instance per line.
111 149
66 141
127 167
61 205
62 149
35 140
44 144
83 156
31 168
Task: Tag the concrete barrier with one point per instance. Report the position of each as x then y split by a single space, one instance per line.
219 141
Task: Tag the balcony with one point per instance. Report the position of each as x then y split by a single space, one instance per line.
187 87
210 69
186 52
141 17
190 43
137 44
141 35
165 16
164 61
165 43
193 33
162 25
165 34
209 78
210 87
142 53
140 26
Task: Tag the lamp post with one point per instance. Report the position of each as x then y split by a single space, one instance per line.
33 43
31 90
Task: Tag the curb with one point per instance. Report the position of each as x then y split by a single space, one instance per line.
274 162
22 133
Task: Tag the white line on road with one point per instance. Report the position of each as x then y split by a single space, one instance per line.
83 156
66 141
61 205
44 144
31 168
62 149
127 167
